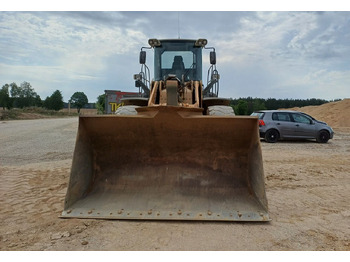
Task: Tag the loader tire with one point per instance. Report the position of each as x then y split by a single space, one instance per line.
220 111
126 110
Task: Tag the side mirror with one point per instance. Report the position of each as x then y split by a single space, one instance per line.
212 57
142 57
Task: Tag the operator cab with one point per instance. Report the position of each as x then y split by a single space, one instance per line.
180 58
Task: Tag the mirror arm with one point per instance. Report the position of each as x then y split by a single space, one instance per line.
146 47
212 48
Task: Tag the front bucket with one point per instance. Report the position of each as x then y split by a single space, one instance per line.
167 163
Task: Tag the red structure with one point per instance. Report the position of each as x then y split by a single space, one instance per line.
113 98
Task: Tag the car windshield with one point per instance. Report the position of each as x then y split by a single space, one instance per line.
308 115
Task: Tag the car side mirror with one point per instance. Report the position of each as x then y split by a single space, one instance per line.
212 57
142 57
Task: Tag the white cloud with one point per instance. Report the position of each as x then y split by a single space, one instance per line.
259 53
65 40
286 54
48 49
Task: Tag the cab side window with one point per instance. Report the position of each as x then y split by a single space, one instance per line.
281 116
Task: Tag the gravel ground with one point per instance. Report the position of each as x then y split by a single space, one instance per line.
30 141
307 184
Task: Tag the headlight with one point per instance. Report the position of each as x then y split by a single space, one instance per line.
154 42
201 42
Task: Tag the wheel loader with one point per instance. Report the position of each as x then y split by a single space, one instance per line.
175 152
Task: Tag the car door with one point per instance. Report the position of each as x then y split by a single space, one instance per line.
284 124
305 127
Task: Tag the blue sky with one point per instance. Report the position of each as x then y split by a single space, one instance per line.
280 54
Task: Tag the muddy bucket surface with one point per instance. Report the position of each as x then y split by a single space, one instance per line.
167 163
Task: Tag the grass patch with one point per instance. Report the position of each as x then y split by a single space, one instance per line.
9 114
33 113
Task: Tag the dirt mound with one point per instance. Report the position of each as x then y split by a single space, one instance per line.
336 114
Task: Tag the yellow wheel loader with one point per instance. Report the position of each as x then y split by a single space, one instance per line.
175 152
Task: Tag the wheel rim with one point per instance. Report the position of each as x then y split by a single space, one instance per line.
323 136
273 136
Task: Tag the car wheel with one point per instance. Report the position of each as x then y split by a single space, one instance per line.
271 136
322 137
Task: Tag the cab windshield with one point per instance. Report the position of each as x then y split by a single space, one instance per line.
180 58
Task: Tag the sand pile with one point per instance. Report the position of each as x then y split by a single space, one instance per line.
335 114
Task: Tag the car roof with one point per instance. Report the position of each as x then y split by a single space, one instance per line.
283 111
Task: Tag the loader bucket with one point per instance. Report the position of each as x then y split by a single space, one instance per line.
167 163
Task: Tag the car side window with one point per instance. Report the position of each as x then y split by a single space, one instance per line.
274 117
281 116
301 119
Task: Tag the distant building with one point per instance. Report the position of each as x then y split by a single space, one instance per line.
113 98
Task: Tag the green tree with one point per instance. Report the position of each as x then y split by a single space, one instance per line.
37 101
24 95
241 108
100 104
78 100
15 90
257 105
55 101
27 95
5 99
254 104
